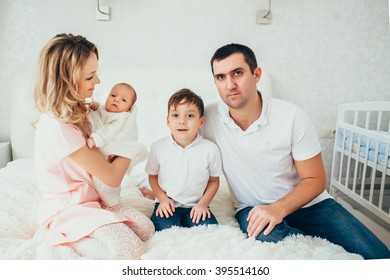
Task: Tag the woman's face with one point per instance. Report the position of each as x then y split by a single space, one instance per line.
88 77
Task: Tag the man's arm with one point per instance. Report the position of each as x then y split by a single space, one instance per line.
313 180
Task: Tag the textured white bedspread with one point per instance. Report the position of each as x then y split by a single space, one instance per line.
20 200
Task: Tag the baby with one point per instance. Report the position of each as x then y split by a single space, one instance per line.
115 133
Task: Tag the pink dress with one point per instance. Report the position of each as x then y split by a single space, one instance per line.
71 208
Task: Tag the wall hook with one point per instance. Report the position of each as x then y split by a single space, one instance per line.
102 12
99 10
264 16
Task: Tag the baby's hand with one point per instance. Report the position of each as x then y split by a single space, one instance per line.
91 143
94 106
199 212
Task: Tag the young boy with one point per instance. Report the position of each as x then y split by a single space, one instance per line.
115 133
184 168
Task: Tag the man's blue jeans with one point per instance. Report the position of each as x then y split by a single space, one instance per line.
329 220
181 217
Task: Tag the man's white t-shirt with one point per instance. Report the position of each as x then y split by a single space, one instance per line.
259 163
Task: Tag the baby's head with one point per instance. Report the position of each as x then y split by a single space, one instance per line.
121 98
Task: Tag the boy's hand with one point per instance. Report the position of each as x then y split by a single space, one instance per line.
166 208
199 212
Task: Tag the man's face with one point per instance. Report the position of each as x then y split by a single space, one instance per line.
235 82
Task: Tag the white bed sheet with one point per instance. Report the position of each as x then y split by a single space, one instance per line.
20 201
20 197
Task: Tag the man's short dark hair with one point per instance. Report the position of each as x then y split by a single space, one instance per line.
227 50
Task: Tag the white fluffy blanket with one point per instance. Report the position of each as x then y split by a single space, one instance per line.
20 199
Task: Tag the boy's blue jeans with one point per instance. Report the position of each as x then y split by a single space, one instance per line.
181 217
329 220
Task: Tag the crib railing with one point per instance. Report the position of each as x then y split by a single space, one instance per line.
361 159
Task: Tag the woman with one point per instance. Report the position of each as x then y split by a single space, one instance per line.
71 213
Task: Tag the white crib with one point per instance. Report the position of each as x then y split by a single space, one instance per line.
361 159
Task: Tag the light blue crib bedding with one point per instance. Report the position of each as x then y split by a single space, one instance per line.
351 143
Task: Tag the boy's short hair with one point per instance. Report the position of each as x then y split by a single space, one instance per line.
186 95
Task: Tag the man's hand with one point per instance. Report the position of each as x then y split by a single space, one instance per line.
261 216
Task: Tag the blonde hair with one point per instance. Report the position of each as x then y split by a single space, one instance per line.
56 90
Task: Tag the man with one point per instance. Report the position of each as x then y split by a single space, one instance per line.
272 161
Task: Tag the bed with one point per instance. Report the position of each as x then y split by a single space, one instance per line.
361 159
20 198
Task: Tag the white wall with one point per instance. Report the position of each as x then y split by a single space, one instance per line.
319 53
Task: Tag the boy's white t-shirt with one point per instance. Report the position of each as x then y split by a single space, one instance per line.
184 173
259 163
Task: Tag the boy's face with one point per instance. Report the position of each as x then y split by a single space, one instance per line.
120 99
184 122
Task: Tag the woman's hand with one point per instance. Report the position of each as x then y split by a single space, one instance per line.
91 143
94 163
111 158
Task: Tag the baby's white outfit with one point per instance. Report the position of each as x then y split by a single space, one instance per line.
115 134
